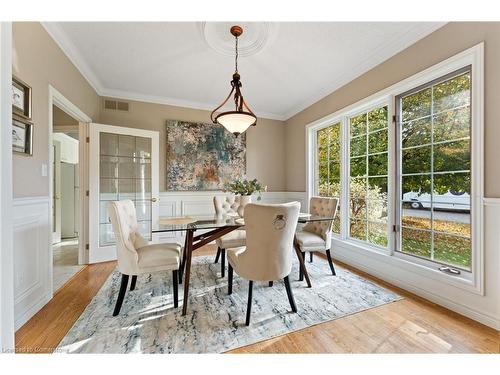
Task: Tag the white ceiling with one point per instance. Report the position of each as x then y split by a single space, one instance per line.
284 67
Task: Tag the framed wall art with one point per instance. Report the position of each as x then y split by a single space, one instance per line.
21 98
203 156
22 136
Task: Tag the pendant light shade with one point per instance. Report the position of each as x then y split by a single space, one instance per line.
236 122
239 120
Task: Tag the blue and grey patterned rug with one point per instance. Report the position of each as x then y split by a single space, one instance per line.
215 322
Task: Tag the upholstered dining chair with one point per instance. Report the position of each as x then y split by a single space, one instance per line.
269 248
135 255
224 205
316 236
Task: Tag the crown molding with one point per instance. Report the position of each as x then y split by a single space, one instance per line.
407 39
138 97
69 49
71 52
369 62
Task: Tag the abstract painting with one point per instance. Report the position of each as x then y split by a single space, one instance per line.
203 156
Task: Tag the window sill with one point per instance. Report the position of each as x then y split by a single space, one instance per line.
365 255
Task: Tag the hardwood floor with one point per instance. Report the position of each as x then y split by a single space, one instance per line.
43 332
412 325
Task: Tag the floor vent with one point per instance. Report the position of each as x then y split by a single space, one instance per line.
116 105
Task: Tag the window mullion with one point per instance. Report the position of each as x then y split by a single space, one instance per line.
366 179
432 172
344 178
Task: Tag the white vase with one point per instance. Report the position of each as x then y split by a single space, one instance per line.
244 200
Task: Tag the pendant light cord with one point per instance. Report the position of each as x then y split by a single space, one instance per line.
236 58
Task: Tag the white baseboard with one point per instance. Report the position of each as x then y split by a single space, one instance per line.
438 299
482 306
27 314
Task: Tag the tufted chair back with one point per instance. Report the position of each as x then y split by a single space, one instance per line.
225 204
269 242
322 206
124 222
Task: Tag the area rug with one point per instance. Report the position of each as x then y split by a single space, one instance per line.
215 322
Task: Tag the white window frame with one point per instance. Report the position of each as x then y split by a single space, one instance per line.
358 110
314 160
470 281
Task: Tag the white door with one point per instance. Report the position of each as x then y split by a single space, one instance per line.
123 164
56 194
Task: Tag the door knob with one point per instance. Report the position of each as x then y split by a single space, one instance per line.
153 200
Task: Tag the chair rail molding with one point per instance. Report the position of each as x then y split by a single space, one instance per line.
32 257
185 203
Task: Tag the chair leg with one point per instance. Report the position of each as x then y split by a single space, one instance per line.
229 279
249 305
301 274
329 256
222 262
217 256
290 294
270 284
310 256
175 279
182 264
121 295
132 283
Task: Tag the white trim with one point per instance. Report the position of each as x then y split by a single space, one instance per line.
404 40
6 245
60 101
67 47
495 202
471 282
179 203
164 100
388 276
99 253
369 62
32 256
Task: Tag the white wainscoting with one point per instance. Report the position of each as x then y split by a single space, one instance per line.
201 203
32 257
32 263
433 285
31 238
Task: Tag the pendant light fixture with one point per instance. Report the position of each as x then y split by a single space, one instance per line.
242 117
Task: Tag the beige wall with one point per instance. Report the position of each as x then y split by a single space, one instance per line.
38 61
61 118
438 46
265 142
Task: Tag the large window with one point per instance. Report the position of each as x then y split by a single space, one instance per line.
328 155
434 149
407 164
368 165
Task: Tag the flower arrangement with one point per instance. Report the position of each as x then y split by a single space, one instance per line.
245 187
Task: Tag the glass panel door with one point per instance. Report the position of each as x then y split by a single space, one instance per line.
124 173
126 168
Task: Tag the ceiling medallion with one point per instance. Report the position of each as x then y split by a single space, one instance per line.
257 35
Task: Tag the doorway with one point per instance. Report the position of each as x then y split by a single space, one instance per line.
125 162
65 197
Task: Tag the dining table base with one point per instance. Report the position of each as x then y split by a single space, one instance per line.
192 243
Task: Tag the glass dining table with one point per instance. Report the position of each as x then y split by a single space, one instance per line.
211 228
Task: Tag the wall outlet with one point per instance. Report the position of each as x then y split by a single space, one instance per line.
44 170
